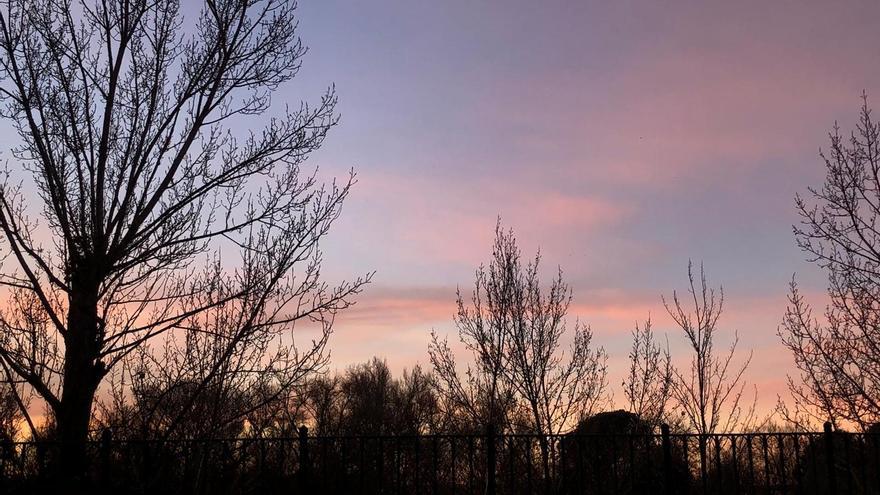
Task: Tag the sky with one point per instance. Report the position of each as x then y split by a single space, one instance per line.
621 138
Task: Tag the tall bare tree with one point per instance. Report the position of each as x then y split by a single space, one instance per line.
710 391
647 386
133 210
515 329
838 359
483 395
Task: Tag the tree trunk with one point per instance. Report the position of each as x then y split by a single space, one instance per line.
73 417
544 444
82 374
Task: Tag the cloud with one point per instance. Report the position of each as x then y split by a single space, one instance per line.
400 306
451 220
704 102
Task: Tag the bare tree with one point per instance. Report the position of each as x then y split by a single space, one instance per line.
558 390
516 339
647 386
710 392
483 396
837 358
123 116
206 383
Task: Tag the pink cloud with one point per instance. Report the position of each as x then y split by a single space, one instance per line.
385 306
453 221
717 108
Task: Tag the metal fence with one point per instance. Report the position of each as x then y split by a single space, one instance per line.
773 463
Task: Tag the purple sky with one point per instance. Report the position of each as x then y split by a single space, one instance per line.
622 138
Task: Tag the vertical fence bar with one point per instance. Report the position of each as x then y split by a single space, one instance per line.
765 462
346 451
751 458
735 462
397 473
875 440
615 473
6 453
434 453
667 460
507 445
704 477
304 461
829 458
864 462
783 477
598 469
42 471
529 465
579 465
106 445
362 475
418 464
380 459
471 469
562 464
632 464
847 462
490 459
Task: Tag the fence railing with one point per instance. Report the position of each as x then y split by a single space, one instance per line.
825 462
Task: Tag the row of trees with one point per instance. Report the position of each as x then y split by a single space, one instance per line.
512 328
523 376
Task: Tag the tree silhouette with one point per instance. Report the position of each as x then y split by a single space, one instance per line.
514 329
484 396
367 400
838 359
647 386
133 211
171 394
710 392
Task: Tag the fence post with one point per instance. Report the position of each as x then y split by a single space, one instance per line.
829 455
6 452
106 446
490 459
667 459
42 469
304 459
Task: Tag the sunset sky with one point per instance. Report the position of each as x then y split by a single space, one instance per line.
622 138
